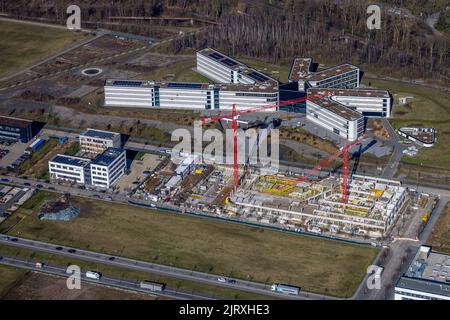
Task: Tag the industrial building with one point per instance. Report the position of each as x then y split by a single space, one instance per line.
68 168
16 129
368 102
95 141
108 167
372 208
341 76
335 117
427 277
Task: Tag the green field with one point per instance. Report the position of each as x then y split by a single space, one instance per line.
314 264
9 277
429 107
24 44
179 71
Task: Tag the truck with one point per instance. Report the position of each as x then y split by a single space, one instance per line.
286 289
93 275
35 146
152 286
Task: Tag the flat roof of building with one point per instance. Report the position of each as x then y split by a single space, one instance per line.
70 160
330 72
351 92
16 122
433 287
107 157
101 134
268 86
300 68
236 65
337 108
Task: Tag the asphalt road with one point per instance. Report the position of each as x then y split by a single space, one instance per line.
397 153
163 270
104 280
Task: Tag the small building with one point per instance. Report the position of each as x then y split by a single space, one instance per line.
69 168
97 141
427 277
17 129
108 167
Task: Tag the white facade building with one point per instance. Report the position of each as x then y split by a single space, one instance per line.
68 168
427 277
368 102
97 141
341 76
108 167
343 121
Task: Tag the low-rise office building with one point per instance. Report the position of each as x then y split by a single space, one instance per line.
341 76
368 102
427 277
236 84
108 167
97 141
16 129
68 168
336 118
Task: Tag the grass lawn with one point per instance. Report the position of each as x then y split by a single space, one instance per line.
24 44
440 236
314 264
430 108
179 71
9 277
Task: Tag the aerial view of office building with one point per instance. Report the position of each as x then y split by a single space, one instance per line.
108 167
368 102
96 141
16 129
68 168
427 277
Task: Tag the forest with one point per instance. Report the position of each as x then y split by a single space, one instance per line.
277 30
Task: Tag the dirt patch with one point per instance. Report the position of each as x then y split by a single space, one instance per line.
378 129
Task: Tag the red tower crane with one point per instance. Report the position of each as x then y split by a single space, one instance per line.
235 114
343 151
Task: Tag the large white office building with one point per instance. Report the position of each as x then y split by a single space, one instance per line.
97 141
108 167
368 102
68 168
341 76
336 118
236 84
427 278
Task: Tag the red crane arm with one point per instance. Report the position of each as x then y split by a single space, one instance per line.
330 159
269 106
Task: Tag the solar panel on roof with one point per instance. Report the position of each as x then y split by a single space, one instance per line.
229 62
216 55
125 83
184 85
257 76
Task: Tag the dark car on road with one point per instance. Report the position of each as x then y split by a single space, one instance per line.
39 186
27 184
14 239
71 250
59 248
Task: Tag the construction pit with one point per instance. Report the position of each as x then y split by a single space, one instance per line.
282 201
